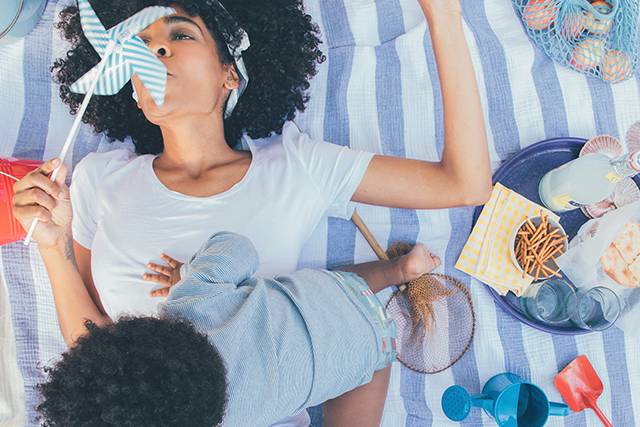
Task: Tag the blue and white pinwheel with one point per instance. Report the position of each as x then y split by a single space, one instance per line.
127 55
123 54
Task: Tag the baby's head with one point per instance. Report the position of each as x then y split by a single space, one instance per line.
137 372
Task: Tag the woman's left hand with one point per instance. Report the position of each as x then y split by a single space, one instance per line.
451 7
168 275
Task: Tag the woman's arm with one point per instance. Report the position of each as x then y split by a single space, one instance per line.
463 177
71 283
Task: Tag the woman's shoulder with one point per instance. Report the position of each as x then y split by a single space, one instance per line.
104 162
290 142
95 166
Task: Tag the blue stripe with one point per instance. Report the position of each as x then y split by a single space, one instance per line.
552 103
16 259
465 372
604 107
496 78
341 233
618 371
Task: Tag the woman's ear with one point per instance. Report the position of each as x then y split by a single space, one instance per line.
232 80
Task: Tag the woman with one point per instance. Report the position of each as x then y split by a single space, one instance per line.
188 182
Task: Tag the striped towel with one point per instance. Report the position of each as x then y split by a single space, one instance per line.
378 91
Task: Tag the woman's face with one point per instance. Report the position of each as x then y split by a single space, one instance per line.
197 82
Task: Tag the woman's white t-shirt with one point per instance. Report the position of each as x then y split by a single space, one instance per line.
127 217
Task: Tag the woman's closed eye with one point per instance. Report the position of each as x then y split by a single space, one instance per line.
178 35
181 36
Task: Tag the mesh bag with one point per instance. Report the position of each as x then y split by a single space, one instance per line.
595 37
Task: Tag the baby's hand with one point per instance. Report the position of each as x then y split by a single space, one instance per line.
417 262
168 275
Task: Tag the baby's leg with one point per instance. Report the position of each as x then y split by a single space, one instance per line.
382 274
360 407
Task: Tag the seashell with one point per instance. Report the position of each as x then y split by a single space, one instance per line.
625 193
616 66
633 138
605 144
540 14
588 54
598 209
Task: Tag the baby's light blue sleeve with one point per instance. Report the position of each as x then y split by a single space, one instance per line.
223 263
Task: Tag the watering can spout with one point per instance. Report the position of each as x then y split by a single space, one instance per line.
558 409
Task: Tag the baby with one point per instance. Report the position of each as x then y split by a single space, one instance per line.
234 349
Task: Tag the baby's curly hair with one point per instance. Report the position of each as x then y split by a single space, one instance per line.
136 372
283 57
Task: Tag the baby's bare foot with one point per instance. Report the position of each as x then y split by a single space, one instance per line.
417 263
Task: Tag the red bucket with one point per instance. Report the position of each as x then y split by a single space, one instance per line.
10 229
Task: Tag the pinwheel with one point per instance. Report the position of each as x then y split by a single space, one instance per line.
123 54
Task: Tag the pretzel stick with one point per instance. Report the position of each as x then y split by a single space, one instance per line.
553 252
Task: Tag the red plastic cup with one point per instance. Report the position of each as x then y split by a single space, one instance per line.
10 229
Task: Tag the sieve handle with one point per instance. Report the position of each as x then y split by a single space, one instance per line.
368 236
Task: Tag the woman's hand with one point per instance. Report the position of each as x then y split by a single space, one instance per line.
36 196
168 275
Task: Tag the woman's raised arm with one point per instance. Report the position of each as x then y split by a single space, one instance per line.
463 177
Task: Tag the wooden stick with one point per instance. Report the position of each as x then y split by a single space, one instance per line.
71 136
368 236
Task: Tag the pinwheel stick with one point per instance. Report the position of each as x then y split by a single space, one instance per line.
74 129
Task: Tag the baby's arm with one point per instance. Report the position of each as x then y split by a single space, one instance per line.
225 260
382 274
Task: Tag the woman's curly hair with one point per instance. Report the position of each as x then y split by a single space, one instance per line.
136 372
283 57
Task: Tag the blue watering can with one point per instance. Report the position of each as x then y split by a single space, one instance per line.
510 400
18 17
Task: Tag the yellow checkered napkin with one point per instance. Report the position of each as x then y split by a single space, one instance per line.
486 255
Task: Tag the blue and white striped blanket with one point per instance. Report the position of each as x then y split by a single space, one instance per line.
378 91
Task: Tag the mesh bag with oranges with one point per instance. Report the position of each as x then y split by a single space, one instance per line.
600 38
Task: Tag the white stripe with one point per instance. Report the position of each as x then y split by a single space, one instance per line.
12 386
627 102
592 346
50 342
578 102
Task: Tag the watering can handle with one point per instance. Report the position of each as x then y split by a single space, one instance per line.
483 402
558 409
